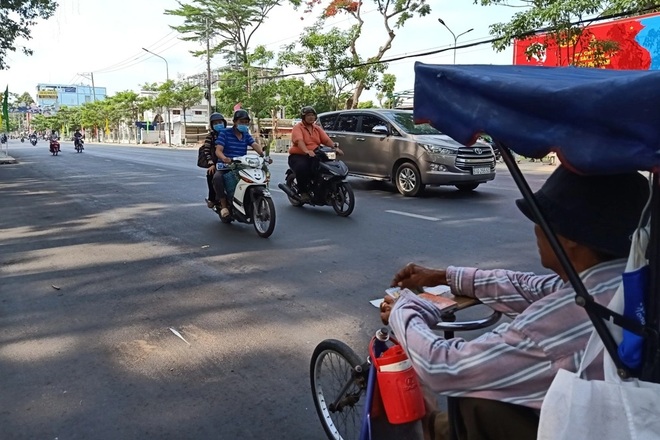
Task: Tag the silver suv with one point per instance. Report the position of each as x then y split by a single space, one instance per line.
387 145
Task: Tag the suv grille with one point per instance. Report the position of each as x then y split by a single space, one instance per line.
467 158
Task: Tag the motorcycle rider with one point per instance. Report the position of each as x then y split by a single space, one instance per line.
232 142
54 138
218 123
33 137
305 137
77 137
3 138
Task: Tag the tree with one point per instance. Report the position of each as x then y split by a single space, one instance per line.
25 99
230 23
393 14
575 45
386 88
324 57
128 107
17 18
185 96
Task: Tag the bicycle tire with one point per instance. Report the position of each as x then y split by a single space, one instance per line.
332 367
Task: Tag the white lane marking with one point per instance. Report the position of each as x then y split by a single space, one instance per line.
407 214
158 169
107 160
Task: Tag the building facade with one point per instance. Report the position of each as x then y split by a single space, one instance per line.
50 97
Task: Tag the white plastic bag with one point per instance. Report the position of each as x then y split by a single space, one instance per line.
575 408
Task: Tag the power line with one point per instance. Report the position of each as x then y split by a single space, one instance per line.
465 45
132 58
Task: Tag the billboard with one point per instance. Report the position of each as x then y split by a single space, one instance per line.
638 40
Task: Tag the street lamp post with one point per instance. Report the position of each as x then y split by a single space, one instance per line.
454 35
167 76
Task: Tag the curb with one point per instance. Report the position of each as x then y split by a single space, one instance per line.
4 159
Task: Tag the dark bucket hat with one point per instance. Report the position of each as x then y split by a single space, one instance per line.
600 212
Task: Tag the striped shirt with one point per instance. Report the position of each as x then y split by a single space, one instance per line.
231 145
517 361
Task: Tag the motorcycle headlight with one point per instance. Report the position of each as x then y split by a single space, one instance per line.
331 155
252 162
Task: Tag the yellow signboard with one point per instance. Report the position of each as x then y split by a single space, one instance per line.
47 94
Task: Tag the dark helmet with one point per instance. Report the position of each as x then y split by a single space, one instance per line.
217 117
241 114
307 109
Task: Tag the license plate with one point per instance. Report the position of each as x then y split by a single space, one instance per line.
481 170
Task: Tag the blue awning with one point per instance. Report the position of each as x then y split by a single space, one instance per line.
597 120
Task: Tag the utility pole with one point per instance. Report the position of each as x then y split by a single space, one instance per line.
93 88
167 76
208 72
90 76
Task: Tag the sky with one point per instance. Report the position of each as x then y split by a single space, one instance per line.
107 37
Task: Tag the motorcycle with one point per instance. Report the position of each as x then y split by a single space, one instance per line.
328 186
22 139
79 145
54 147
248 197
33 141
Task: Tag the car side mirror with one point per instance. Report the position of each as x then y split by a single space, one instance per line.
380 129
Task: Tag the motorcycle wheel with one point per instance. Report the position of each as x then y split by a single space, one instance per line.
263 216
291 183
343 200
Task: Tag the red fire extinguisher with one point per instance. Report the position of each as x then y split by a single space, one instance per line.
398 385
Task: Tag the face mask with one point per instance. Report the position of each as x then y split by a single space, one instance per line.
243 128
218 127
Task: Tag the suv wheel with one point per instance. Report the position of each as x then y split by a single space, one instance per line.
467 186
408 180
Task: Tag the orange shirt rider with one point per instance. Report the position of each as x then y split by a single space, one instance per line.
311 136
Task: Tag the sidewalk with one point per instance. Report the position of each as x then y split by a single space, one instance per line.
5 158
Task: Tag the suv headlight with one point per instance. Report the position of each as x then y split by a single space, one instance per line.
437 149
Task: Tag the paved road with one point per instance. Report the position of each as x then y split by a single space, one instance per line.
101 253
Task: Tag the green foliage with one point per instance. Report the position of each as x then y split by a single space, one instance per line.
366 104
386 88
559 16
393 15
230 24
324 56
17 18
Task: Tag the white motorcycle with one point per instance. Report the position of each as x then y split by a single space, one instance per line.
248 197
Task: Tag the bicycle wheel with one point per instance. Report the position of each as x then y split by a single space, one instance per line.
337 389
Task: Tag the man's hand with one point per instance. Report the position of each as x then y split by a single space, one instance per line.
210 170
225 159
339 151
311 153
413 275
386 309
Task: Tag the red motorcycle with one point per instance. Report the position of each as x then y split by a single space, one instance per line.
54 147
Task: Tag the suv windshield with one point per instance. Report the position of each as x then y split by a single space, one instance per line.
405 121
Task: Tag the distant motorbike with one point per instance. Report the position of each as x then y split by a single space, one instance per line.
54 147
33 141
22 139
248 197
328 184
79 145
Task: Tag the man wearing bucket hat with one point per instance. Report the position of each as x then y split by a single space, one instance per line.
501 377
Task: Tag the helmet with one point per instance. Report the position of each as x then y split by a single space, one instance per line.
241 114
217 117
307 109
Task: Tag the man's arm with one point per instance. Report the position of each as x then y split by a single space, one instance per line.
507 291
501 365
219 149
325 139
